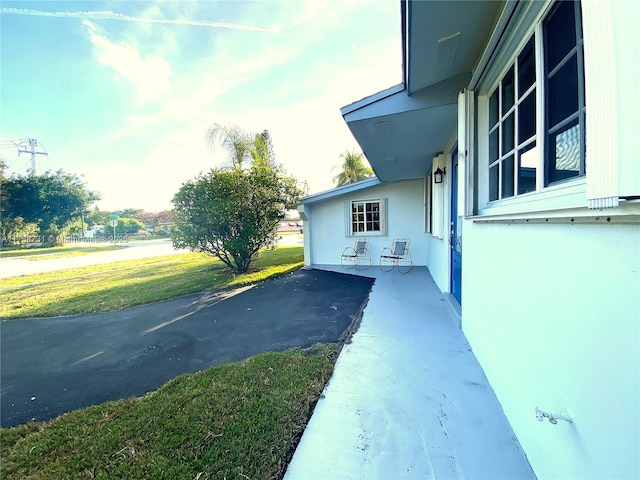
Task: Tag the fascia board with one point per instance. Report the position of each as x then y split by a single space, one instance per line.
339 191
371 99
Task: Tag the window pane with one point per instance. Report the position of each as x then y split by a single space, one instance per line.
493 108
559 34
527 167
562 92
507 91
493 146
526 68
507 177
493 183
565 151
507 134
527 118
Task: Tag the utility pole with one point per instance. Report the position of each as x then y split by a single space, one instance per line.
33 143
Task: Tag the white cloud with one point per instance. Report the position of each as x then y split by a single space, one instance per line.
309 133
109 15
291 81
150 75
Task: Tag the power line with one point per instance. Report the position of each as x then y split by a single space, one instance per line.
33 144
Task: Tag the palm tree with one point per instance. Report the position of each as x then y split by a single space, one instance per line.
238 143
354 169
242 146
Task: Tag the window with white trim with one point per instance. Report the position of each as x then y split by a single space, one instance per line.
546 77
366 217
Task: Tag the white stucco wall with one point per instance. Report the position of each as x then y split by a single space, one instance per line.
552 312
438 260
325 230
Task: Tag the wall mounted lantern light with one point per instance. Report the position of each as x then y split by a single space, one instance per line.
438 175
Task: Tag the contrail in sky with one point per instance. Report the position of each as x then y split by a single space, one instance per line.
108 15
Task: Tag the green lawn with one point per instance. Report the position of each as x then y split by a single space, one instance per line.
58 252
124 284
236 421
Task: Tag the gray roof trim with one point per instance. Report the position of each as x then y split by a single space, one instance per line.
366 101
339 191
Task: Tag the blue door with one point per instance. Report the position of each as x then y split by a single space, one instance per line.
455 234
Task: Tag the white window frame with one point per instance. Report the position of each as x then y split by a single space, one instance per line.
349 221
428 204
569 192
532 92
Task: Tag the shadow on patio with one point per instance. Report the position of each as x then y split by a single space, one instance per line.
408 399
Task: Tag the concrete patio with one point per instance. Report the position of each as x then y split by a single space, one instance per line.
408 399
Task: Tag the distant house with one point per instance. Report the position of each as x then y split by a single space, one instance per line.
530 112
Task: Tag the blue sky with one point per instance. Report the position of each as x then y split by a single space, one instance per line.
123 92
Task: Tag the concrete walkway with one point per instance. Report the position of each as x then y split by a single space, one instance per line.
408 399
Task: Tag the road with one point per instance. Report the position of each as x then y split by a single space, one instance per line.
12 267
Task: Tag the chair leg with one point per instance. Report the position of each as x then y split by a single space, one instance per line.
405 264
387 261
365 262
349 259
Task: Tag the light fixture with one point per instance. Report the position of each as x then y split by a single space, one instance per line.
439 174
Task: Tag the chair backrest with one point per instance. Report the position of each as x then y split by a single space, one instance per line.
361 247
400 246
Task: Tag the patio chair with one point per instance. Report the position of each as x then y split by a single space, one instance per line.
398 255
358 256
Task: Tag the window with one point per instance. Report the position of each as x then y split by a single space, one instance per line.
515 163
366 217
564 93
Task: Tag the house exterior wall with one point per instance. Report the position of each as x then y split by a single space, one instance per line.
326 230
438 258
551 289
552 312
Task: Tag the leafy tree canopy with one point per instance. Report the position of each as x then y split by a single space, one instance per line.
354 169
50 201
231 213
126 225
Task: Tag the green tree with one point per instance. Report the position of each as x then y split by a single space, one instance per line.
4 197
234 140
232 213
354 169
96 217
51 201
132 212
126 226
261 149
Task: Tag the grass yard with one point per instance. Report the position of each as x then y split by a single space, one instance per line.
124 284
234 421
65 251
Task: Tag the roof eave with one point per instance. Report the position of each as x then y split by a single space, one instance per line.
339 191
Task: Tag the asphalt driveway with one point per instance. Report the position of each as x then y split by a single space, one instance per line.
54 365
